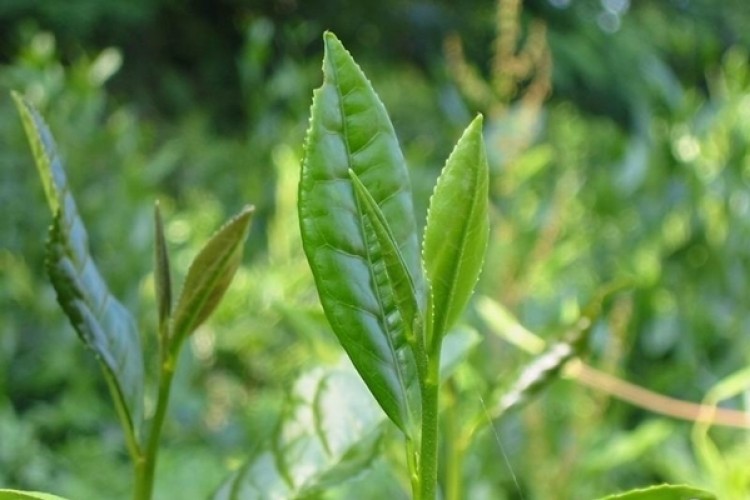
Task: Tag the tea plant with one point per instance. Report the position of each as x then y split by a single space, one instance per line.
104 325
392 303
389 308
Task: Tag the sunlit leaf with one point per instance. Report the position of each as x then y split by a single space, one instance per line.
455 237
664 492
378 234
104 325
350 130
27 495
330 433
209 276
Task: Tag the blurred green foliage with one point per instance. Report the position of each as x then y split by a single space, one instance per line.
635 167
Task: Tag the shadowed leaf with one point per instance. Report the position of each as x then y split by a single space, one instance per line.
331 432
162 279
104 325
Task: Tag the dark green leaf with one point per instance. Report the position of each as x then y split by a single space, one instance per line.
103 324
209 276
455 237
350 130
664 492
162 278
331 433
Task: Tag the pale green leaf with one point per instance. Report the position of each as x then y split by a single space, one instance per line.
457 230
664 492
209 276
350 130
330 433
104 325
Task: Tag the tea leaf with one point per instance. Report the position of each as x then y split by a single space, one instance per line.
27 495
331 433
162 279
102 323
378 234
455 237
664 492
350 130
209 276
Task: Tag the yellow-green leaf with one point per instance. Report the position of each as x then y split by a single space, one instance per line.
209 276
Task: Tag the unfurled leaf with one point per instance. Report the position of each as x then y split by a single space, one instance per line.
104 325
162 275
209 276
350 130
455 237
27 495
378 234
330 433
664 492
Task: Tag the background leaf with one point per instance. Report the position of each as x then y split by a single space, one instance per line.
350 129
104 325
331 432
209 276
27 495
457 230
664 492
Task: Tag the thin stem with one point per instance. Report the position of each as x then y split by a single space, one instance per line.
653 401
455 447
146 468
428 457
412 460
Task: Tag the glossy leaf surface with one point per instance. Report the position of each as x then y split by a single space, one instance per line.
209 276
27 495
104 325
378 234
330 433
457 229
664 492
350 130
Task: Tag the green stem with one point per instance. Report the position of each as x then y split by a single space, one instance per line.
428 457
146 467
456 446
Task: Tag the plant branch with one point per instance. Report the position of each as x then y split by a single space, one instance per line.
653 401
146 467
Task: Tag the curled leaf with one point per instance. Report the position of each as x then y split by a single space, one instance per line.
102 323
